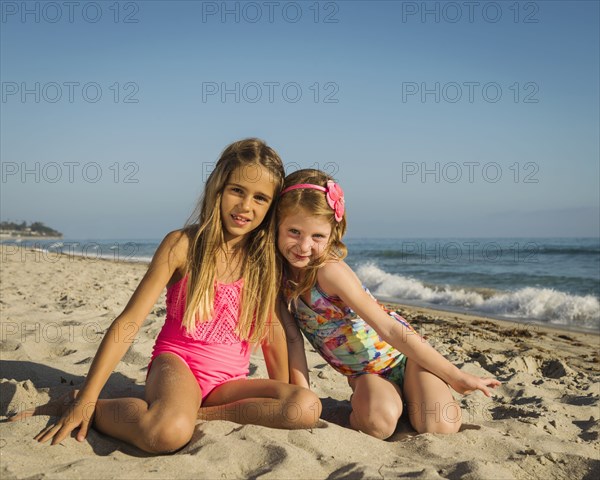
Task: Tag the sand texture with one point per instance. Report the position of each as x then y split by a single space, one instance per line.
543 423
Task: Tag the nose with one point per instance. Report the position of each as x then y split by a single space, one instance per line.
246 202
306 244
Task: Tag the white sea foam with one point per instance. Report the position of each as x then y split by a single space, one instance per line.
532 303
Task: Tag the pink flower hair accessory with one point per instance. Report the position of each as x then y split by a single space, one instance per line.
335 199
333 193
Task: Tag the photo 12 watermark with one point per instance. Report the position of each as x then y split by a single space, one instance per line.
471 251
435 413
252 173
55 333
469 92
69 92
64 251
270 12
270 92
469 172
470 12
68 172
329 168
69 12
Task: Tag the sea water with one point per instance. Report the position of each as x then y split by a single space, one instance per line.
544 280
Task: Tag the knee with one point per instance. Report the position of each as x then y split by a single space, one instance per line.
169 434
448 420
302 408
451 420
378 423
439 427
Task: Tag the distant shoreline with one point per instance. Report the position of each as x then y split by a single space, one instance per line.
28 237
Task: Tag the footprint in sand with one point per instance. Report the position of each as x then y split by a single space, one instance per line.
520 400
16 396
580 400
9 345
85 361
265 456
60 350
590 429
69 323
478 469
555 369
134 357
503 412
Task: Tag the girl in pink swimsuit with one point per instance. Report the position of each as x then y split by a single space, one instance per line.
214 352
222 284
388 365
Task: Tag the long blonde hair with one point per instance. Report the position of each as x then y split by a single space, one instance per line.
258 258
313 202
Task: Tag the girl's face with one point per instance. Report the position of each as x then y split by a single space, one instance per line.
302 238
246 199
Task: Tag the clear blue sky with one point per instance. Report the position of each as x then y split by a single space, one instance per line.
498 101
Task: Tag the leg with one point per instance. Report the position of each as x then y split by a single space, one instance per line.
431 407
162 423
262 402
376 405
165 420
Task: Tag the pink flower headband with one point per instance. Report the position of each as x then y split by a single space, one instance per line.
333 192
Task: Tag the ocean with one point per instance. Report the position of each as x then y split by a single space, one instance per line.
536 280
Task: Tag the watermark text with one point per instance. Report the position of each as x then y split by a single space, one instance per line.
69 92
469 92
470 12
69 12
468 172
68 172
270 12
269 92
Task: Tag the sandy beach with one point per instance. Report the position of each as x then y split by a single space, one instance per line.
543 422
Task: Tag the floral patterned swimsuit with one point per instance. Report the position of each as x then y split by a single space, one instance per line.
344 340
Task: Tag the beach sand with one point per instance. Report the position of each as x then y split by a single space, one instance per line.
543 423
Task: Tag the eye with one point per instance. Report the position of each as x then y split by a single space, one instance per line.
261 199
319 236
237 190
293 231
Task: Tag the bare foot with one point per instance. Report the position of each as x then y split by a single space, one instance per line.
54 408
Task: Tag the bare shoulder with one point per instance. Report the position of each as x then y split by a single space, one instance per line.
177 242
334 268
335 276
166 267
172 252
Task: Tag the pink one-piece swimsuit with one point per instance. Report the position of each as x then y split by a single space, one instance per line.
213 351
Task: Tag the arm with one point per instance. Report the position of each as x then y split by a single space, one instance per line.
274 350
298 366
168 258
336 278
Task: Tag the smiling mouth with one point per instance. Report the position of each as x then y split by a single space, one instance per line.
240 220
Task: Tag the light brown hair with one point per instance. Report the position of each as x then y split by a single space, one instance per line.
259 265
313 202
